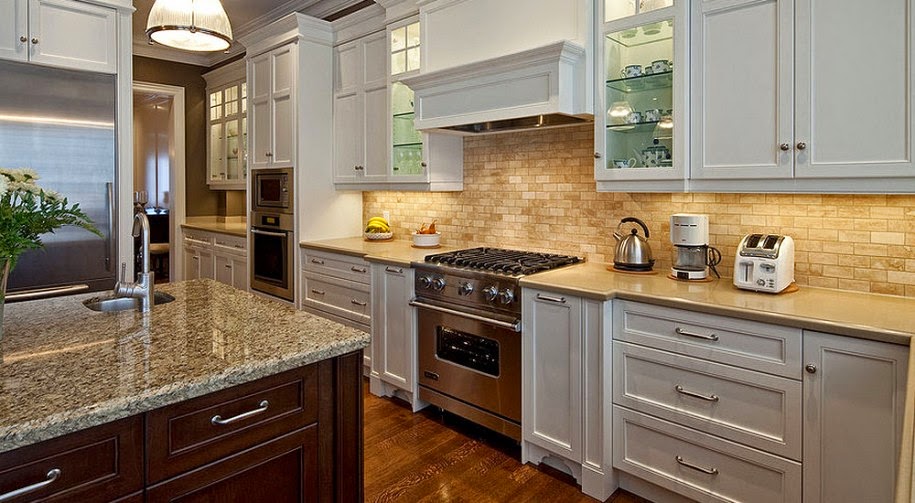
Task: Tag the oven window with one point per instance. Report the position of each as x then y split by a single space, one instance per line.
471 351
270 189
270 259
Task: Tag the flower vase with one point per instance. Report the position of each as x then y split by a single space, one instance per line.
4 274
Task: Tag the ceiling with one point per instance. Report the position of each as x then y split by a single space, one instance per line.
245 16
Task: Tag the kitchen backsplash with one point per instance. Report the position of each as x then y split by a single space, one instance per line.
535 190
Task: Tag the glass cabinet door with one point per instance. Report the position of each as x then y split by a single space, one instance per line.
639 96
407 143
228 139
618 9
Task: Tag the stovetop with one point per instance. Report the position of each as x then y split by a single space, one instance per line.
501 261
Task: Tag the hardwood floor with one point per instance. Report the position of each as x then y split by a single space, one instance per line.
433 457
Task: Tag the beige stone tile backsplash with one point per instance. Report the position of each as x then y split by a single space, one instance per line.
535 190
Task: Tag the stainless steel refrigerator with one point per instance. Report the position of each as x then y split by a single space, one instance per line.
61 123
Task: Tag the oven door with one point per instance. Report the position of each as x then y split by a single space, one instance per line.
472 364
271 262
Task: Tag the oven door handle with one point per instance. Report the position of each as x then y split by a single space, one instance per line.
268 233
513 326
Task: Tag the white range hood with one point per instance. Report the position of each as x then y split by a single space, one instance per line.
536 88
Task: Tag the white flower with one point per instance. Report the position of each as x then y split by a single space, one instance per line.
22 175
4 186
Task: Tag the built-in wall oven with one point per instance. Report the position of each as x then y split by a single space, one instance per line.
272 232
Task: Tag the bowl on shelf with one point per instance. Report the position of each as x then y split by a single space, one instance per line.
378 236
426 240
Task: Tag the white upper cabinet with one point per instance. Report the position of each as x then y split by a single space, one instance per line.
272 75
60 33
227 126
802 95
641 99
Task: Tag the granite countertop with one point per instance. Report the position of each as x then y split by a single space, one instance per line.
864 315
237 227
395 251
64 368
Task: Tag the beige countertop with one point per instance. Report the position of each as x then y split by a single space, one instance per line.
395 251
64 368
235 227
864 315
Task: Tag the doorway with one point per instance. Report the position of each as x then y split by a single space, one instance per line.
159 166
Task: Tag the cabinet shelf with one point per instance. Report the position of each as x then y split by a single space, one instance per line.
408 145
404 115
638 127
663 80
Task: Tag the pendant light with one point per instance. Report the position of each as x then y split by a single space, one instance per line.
192 25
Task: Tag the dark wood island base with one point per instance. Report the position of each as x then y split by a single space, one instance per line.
292 437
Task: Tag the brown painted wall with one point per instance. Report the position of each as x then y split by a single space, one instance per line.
199 198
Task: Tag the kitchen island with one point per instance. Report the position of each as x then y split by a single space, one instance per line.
67 369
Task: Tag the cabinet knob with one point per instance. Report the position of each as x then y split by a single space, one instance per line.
785 147
23 39
423 164
359 168
269 154
810 368
801 146
597 155
34 40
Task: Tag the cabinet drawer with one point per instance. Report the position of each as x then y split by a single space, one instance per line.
336 265
197 238
201 430
98 464
343 298
699 466
755 409
231 244
767 348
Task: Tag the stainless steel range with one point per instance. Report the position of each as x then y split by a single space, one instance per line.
469 349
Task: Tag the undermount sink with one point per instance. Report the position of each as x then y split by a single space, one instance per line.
113 304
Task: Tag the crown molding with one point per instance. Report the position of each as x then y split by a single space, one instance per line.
175 55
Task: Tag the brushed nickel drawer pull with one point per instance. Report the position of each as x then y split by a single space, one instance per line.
317 292
261 407
710 337
708 471
707 398
395 270
317 261
358 302
357 269
550 298
50 478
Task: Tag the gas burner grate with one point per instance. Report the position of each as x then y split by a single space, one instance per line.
497 260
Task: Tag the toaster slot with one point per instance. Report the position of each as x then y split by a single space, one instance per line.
770 242
753 240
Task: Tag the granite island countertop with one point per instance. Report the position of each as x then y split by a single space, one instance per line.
856 314
64 368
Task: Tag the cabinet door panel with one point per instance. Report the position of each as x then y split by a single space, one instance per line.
283 106
191 264
347 59
346 137
395 337
206 264
854 92
14 23
742 90
239 272
551 366
375 105
73 34
223 266
259 138
853 408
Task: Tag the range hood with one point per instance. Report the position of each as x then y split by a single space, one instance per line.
543 87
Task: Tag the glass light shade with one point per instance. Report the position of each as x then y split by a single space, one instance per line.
619 109
192 25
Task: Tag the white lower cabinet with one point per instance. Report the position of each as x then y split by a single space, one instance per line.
715 408
854 397
216 256
565 403
394 332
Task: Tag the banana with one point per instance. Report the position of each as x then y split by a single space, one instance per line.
378 219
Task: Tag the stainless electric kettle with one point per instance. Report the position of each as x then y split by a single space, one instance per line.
632 251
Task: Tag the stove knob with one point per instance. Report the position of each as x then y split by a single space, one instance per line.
506 296
425 282
438 284
490 292
466 288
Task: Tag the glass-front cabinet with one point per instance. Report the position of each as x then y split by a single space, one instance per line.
640 117
228 136
406 142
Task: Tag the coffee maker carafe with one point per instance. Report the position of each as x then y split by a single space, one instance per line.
692 256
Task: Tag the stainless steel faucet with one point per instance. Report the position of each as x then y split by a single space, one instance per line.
144 289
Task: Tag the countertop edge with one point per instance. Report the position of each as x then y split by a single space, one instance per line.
208 228
313 245
32 432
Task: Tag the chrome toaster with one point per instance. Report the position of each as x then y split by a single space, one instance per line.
764 262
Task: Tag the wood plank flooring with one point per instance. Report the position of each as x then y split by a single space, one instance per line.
435 457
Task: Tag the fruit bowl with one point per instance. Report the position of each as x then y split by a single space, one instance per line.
426 240
378 236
